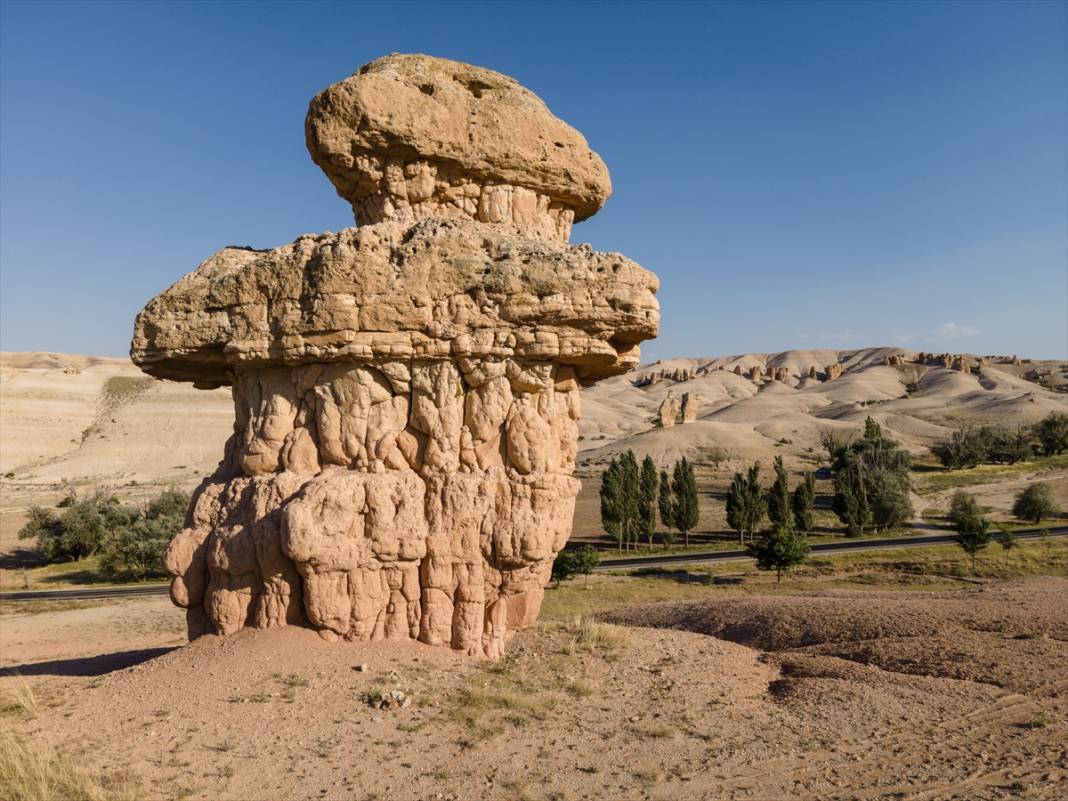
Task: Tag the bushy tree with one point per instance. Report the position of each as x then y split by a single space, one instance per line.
803 502
1035 503
1009 446
779 511
137 550
684 498
973 529
648 482
965 448
586 560
565 565
79 530
780 549
891 505
872 482
1052 434
1007 540
129 542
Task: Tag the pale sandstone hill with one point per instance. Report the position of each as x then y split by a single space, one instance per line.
58 421
87 419
745 420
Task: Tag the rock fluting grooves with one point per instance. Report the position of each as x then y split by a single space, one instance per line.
406 392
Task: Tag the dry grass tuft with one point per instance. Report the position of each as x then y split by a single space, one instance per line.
34 771
20 701
593 637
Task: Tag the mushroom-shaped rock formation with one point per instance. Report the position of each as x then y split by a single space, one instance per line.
406 393
409 137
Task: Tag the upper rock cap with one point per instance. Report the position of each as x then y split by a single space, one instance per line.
411 136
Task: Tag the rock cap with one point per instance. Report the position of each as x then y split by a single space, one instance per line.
410 131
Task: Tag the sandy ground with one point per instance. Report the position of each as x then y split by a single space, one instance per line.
834 695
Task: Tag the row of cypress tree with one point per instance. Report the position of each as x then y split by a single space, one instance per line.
747 505
632 495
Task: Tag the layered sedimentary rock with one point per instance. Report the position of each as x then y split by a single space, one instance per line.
833 371
668 413
691 403
406 392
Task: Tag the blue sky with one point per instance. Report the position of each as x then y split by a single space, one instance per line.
798 174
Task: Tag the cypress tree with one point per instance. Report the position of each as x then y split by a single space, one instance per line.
755 510
666 504
851 498
611 507
736 506
779 497
684 489
804 501
628 497
648 482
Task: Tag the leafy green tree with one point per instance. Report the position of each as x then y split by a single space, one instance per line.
779 497
755 510
973 529
965 448
872 430
736 500
586 560
666 506
79 530
565 565
612 506
872 482
619 500
1052 433
648 484
1035 503
780 549
1009 446
851 498
1007 540
629 497
129 543
889 499
804 501
136 550
684 499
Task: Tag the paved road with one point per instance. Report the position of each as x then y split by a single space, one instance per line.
820 547
145 590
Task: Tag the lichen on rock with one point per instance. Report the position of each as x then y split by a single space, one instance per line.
406 393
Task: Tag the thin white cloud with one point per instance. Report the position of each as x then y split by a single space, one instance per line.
943 333
955 331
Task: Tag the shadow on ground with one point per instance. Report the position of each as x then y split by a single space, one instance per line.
86 666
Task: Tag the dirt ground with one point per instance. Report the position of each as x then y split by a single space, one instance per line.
820 694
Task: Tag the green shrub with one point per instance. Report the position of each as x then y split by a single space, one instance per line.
129 542
1035 503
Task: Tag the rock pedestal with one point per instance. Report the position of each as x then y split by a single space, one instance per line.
691 403
668 413
406 392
